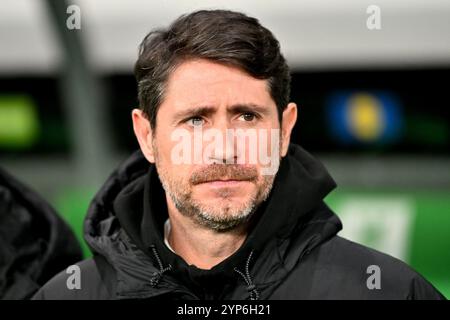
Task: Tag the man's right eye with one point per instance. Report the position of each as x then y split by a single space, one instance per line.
195 121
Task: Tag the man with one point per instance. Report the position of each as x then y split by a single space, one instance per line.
198 213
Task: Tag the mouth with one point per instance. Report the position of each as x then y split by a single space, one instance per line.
230 183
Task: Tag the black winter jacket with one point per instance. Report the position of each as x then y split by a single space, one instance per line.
291 252
35 243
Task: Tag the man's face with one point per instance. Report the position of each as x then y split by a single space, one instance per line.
225 187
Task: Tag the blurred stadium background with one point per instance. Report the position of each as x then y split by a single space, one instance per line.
374 106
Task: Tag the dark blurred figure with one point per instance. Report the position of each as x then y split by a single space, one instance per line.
35 244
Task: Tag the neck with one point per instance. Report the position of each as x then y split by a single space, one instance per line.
198 245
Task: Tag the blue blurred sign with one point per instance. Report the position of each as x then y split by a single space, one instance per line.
364 118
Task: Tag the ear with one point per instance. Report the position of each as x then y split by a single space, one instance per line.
287 124
144 133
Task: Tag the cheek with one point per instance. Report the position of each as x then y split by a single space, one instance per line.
268 147
163 146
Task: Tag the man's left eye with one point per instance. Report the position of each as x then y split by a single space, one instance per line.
248 116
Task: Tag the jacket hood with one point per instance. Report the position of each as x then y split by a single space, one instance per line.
125 221
35 244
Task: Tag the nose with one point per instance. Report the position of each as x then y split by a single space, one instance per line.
223 148
224 154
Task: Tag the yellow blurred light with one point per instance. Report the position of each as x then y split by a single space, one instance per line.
365 117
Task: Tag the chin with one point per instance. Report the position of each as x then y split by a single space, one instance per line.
225 204
226 211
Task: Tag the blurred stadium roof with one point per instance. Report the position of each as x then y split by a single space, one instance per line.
313 34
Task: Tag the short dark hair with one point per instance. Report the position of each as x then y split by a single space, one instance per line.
222 36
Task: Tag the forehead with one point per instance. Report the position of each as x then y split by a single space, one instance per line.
202 82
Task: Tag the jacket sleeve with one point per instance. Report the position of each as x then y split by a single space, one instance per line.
54 289
91 285
39 295
421 289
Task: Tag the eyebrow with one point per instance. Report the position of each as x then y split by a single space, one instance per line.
208 110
